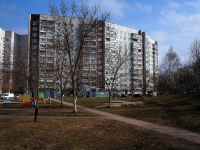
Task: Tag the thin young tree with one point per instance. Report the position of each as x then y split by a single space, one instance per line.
170 65
22 72
115 64
61 70
76 27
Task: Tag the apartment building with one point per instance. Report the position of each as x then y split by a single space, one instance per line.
141 69
2 39
10 45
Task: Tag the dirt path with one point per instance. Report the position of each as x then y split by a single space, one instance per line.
180 133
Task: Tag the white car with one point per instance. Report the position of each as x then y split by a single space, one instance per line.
7 96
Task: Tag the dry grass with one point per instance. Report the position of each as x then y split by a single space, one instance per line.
55 110
76 134
180 111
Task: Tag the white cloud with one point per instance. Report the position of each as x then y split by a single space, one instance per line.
173 4
160 36
143 8
116 7
119 8
188 23
195 4
166 39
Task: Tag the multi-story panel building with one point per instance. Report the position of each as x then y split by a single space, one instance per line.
42 29
10 43
2 39
141 68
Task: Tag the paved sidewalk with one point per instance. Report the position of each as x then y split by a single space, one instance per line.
180 133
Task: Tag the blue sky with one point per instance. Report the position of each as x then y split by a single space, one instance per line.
170 22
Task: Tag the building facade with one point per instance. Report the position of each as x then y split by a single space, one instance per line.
10 45
142 67
2 41
140 71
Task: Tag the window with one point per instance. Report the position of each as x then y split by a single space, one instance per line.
42 45
35 22
99 56
99 33
34 58
34 52
42 33
49 40
100 43
34 34
34 46
35 28
34 40
93 66
93 43
43 27
112 45
99 50
99 73
99 39
100 67
49 33
100 28
42 40
92 54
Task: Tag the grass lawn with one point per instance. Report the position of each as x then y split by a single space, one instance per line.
83 133
46 110
180 111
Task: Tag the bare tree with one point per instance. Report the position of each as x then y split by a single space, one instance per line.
6 76
116 61
61 72
151 82
76 27
195 57
171 63
22 72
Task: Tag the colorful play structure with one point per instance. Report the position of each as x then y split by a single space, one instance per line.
26 99
32 102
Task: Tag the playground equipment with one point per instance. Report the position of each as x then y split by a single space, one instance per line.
39 98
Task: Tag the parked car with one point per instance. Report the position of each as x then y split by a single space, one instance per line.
7 96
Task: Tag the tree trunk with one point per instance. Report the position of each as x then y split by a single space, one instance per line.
61 99
74 104
109 99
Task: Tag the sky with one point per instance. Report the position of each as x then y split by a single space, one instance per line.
169 22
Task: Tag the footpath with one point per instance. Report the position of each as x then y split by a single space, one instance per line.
180 133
